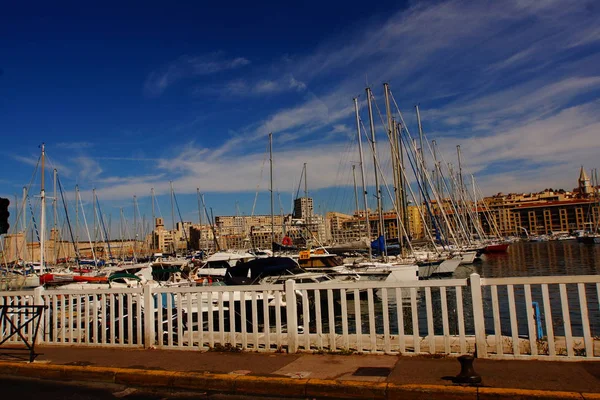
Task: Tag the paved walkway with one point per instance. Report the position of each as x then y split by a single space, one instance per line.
308 375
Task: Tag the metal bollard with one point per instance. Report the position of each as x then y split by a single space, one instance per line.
467 373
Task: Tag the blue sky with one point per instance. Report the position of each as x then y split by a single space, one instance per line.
132 97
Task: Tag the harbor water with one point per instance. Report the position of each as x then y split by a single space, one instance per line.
565 257
524 259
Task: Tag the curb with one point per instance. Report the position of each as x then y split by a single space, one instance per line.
264 386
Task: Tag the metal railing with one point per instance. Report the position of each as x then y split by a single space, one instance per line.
554 318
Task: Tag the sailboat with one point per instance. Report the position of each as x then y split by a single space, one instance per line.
18 279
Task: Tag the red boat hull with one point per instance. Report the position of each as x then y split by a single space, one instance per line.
55 278
91 279
497 248
59 278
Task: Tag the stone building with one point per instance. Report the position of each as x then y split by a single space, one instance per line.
303 208
547 211
18 248
346 228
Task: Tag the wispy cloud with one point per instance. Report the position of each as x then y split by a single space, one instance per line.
88 169
284 84
133 159
187 67
230 174
34 161
246 88
74 145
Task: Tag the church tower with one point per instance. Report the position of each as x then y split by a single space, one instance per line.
585 188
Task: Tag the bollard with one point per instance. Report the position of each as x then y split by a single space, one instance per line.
538 319
467 373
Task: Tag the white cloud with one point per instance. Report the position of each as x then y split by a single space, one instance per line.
189 66
233 173
34 161
546 152
88 169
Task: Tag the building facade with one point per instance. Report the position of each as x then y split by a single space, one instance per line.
303 208
547 211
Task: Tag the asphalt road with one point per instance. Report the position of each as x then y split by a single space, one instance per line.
28 388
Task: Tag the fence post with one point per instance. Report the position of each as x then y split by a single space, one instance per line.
292 315
38 300
478 321
148 317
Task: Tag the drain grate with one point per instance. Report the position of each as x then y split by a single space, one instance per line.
372 371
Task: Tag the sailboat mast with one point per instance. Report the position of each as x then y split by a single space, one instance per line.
153 220
121 231
24 250
144 230
452 183
402 180
17 224
24 208
394 158
460 174
308 214
271 188
362 175
76 214
475 200
55 237
280 215
438 176
305 182
381 231
172 207
461 189
423 165
135 226
94 229
355 190
43 217
199 206
210 222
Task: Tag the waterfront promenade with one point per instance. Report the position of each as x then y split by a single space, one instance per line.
305 375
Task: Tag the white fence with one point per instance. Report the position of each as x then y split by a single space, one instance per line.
553 318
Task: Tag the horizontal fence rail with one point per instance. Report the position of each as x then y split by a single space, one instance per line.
553 318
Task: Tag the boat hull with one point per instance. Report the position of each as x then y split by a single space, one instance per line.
589 239
445 268
496 248
467 257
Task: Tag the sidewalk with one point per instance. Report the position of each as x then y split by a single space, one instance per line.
309 375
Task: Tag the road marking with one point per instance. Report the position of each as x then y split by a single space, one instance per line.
298 375
240 372
124 393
